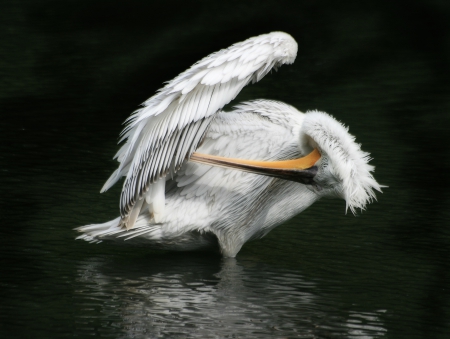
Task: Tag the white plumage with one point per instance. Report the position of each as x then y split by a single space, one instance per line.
169 127
173 203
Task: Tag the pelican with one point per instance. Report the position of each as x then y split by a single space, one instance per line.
197 176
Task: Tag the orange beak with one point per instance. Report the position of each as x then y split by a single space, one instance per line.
299 170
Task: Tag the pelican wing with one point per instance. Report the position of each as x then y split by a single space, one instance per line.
170 126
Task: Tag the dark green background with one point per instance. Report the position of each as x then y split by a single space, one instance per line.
72 71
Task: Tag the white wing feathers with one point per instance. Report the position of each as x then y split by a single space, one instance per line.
168 129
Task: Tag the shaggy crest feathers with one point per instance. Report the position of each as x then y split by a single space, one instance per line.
348 163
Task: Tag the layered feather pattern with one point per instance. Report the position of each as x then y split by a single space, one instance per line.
172 123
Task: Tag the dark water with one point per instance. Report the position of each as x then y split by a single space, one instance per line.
72 71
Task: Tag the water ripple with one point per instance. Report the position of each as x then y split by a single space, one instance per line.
242 299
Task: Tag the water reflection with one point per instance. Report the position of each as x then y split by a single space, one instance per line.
181 297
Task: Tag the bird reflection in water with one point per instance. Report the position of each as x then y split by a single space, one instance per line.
185 298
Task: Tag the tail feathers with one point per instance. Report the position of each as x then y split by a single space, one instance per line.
93 232
114 230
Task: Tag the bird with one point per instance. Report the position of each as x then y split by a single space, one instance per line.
199 177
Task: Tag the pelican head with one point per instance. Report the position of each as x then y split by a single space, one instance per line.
334 165
343 169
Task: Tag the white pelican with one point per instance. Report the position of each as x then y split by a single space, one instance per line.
176 199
